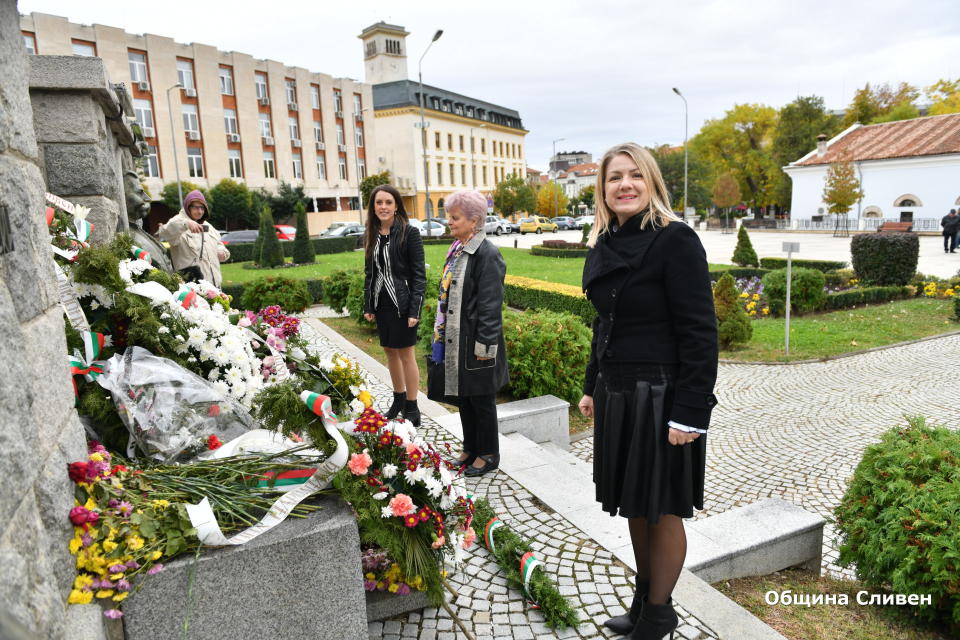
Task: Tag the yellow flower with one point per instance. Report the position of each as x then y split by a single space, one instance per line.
97 457
766 311
75 546
155 555
80 597
393 574
756 296
393 588
105 593
133 543
82 581
753 312
744 295
370 576
163 504
120 596
380 585
109 546
365 398
90 505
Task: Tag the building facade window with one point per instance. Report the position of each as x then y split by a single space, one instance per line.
226 81
144 112
321 168
195 162
151 163
484 175
297 167
291 92
260 81
356 103
233 159
436 136
449 142
265 130
483 147
294 128
453 176
463 174
461 144
520 151
317 131
230 120
190 121
315 96
436 103
342 163
359 133
30 42
185 73
362 168
269 170
439 174
138 66
337 102
501 149
340 139
85 49
473 144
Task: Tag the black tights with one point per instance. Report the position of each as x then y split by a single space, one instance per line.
659 551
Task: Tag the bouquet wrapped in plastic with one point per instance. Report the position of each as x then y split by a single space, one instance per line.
171 412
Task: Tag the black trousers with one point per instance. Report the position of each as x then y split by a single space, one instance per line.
478 415
951 240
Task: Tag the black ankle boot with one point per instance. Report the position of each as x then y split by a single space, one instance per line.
655 621
411 412
624 624
398 400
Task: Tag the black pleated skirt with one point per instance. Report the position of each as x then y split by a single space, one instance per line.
637 472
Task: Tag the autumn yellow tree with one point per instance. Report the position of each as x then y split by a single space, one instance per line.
726 192
841 188
944 96
881 103
551 200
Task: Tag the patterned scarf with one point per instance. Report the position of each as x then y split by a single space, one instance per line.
440 326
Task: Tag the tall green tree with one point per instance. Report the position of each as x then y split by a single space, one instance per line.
303 252
271 252
798 125
733 325
513 195
670 162
726 191
744 253
171 198
551 200
368 184
266 229
870 103
588 195
740 143
903 111
232 205
285 201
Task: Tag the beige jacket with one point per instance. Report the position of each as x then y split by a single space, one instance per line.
185 247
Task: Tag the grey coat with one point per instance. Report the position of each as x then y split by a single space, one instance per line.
474 323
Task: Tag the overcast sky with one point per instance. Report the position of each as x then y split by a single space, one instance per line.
594 73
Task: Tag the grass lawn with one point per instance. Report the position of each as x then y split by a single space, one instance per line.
519 263
369 341
826 622
830 334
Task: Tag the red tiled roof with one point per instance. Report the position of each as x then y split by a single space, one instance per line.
931 136
586 169
533 171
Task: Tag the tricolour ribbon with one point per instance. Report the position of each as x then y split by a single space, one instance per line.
205 522
187 298
140 254
492 526
528 564
90 368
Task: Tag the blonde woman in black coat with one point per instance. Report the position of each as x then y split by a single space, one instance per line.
649 383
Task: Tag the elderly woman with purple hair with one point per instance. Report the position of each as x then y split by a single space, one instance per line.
468 334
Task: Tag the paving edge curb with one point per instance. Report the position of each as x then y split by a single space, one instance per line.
842 355
722 615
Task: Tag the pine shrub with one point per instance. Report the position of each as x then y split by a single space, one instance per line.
885 259
292 294
733 324
266 226
744 255
586 232
806 290
302 247
271 253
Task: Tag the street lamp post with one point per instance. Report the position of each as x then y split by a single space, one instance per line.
428 209
473 166
556 181
176 165
685 121
357 154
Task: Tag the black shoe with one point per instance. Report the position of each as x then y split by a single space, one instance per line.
411 412
470 459
655 621
492 462
397 406
624 624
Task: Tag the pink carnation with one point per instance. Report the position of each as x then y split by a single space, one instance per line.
412 449
359 463
439 542
401 505
469 537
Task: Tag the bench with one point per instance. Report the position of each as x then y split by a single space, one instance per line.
895 227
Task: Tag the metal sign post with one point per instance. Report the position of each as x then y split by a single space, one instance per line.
790 248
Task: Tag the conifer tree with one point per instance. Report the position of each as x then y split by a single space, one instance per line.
302 246
265 226
271 253
733 324
744 255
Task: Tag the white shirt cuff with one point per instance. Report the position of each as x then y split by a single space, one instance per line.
682 427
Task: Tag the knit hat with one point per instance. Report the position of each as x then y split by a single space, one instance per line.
196 195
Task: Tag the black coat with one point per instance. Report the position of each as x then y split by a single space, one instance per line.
408 269
474 323
651 288
950 225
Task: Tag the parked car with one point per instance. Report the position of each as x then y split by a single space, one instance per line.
494 225
348 230
436 228
508 226
565 222
334 226
240 237
286 232
582 220
538 225
515 226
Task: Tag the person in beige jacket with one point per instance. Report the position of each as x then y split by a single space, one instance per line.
194 243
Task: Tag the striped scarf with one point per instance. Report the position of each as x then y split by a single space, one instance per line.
440 326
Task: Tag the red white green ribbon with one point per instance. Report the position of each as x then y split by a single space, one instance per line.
84 229
90 368
187 298
492 526
92 344
528 564
140 254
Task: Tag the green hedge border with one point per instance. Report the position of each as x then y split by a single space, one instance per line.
244 252
819 265
526 298
550 252
315 285
739 272
432 240
856 297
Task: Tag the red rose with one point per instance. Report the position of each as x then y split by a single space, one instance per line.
214 411
77 471
117 469
213 443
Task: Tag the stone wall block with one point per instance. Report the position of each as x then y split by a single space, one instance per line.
75 169
65 116
103 216
28 269
28 589
16 116
52 390
66 72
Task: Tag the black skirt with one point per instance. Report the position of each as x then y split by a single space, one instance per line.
393 330
637 472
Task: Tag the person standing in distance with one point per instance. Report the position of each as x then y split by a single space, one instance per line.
649 383
394 285
951 228
195 246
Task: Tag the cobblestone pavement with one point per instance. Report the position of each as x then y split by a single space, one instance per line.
798 432
587 574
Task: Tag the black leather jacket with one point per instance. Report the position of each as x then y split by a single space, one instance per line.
408 269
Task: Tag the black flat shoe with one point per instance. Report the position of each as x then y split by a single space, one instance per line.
398 400
492 462
624 624
470 459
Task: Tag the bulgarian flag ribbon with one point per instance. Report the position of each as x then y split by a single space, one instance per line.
140 254
492 526
187 298
528 564
92 344
90 368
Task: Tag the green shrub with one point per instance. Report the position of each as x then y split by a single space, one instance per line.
857 297
956 306
428 317
819 265
271 253
302 247
336 287
314 286
558 252
355 299
885 259
291 294
733 324
899 521
244 252
806 290
527 293
547 354
266 228
438 240
744 255
586 232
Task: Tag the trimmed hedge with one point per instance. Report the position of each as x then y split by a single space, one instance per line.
244 252
557 252
444 240
856 297
739 272
806 290
314 285
527 293
819 265
885 259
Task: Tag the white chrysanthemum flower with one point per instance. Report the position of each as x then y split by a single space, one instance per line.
196 337
446 502
180 338
386 512
239 390
220 356
163 330
357 406
389 470
213 375
107 340
354 390
229 342
191 359
164 316
445 476
94 305
380 496
240 358
434 486
233 375
221 387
